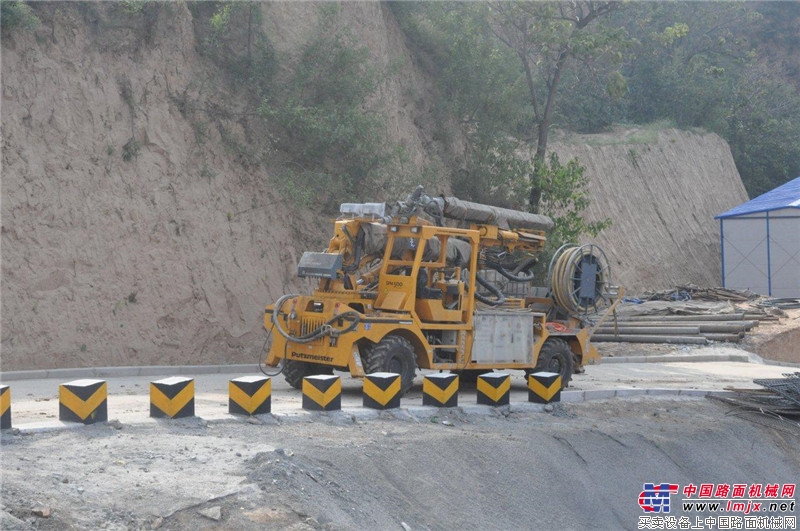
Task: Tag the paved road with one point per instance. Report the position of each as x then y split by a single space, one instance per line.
34 402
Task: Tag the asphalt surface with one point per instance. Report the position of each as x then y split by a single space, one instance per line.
34 402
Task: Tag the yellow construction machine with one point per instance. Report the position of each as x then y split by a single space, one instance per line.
438 283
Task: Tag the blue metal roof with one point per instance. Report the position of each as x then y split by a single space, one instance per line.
785 196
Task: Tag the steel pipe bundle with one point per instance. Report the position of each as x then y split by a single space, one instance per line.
689 329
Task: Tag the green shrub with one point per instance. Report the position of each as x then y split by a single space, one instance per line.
17 15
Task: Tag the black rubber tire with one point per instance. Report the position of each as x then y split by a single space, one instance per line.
295 371
393 354
556 356
470 376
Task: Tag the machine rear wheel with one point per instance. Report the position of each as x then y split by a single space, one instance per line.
556 356
295 371
393 354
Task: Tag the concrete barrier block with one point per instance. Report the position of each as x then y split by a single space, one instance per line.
440 390
322 392
172 397
250 395
83 401
544 387
5 407
382 390
494 389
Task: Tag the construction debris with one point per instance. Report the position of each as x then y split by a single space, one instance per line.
692 292
780 397
689 314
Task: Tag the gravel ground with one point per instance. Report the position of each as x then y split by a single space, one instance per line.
579 466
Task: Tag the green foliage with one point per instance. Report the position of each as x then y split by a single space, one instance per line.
131 150
498 175
333 146
701 65
234 40
763 125
564 196
133 7
206 172
328 131
504 175
480 77
17 15
483 84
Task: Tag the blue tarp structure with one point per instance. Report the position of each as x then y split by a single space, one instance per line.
760 243
785 196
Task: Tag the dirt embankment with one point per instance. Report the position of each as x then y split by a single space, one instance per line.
662 190
448 472
139 226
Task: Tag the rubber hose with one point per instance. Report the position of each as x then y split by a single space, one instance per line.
511 276
316 334
563 275
500 298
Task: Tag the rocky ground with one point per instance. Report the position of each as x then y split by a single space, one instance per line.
578 466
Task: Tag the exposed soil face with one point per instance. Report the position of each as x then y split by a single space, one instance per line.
139 226
517 472
661 190
142 227
778 341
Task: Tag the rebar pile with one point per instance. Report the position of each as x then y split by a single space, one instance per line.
693 292
780 397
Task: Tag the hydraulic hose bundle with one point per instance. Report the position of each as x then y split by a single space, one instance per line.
325 329
578 277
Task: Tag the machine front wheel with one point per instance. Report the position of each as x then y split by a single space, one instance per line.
393 354
556 356
295 371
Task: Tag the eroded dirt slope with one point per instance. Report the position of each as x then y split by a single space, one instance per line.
662 190
139 226
580 467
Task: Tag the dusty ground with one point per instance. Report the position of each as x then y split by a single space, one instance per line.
772 340
581 466
777 340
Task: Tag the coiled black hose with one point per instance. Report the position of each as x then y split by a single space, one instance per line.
500 298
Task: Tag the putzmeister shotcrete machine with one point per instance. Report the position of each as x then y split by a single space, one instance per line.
438 283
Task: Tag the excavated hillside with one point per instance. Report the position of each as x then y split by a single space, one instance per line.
170 256
131 235
661 190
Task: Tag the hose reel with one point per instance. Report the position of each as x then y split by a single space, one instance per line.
579 277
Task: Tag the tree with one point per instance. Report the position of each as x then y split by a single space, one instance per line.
547 37
762 127
723 67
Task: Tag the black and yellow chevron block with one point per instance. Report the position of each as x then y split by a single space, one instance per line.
322 392
382 390
172 397
5 407
250 395
440 390
494 388
83 401
544 387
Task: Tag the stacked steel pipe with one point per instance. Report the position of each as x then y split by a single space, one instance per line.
684 329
